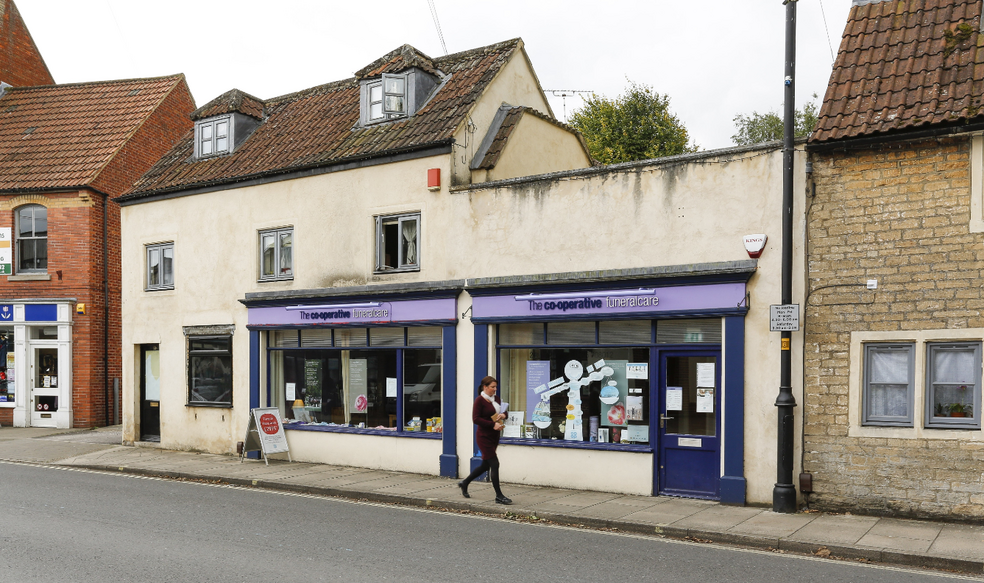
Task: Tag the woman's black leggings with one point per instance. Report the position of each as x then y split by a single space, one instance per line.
492 467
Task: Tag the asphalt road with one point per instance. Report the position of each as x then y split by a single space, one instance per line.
61 525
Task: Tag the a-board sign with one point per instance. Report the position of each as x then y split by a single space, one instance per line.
265 432
784 317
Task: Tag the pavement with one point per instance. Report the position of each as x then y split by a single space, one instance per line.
919 543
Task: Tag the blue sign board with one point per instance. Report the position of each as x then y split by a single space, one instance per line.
40 312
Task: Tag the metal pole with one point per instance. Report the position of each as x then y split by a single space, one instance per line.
784 493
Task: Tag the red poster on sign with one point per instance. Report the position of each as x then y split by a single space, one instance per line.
269 424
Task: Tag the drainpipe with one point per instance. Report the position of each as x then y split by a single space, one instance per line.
784 492
106 307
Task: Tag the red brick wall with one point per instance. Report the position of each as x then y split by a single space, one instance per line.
169 122
21 64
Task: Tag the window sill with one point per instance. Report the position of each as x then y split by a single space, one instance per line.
157 289
301 426
396 270
640 448
210 405
275 279
30 277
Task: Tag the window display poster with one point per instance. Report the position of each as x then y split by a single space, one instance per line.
638 433
513 425
614 415
390 387
705 400
10 367
637 370
291 392
633 408
358 384
674 398
705 374
312 383
537 374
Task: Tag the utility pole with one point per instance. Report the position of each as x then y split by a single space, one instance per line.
784 493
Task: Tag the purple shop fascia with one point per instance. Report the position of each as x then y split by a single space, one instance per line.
368 313
727 300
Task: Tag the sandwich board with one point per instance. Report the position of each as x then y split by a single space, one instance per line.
265 433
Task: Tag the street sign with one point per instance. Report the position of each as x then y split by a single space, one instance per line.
784 318
6 252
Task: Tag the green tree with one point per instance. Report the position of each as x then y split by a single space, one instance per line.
766 127
637 125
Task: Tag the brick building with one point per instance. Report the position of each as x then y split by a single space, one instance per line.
892 413
65 151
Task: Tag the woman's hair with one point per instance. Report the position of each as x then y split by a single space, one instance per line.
486 382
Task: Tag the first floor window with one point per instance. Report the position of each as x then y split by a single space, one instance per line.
953 385
397 242
160 266
32 238
888 384
276 254
210 370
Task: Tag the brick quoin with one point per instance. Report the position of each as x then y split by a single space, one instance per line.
899 214
76 260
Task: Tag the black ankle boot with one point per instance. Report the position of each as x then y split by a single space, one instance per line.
464 488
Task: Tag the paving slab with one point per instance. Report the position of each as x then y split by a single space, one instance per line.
960 540
839 529
768 523
718 518
611 510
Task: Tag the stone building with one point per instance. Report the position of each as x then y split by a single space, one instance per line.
893 315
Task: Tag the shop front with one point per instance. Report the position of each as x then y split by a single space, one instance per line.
360 381
36 363
619 386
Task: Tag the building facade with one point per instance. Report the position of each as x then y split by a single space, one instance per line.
894 326
363 293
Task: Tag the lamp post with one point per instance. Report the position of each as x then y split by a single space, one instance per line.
784 492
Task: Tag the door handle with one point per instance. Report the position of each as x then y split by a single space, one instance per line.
664 417
662 421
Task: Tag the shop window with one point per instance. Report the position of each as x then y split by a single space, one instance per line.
953 385
276 254
888 384
32 239
397 243
160 266
625 332
311 338
522 333
611 405
704 330
361 387
210 370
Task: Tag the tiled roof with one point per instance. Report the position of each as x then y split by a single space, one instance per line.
231 101
402 58
905 64
61 136
510 119
319 127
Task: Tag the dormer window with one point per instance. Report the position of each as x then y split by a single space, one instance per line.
213 136
396 96
388 98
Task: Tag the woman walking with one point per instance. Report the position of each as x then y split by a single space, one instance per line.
488 416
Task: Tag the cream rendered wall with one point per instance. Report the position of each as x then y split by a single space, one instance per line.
215 239
656 214
516 84
536 147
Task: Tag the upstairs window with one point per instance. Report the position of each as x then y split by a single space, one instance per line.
213 137
32 239
160 266
276 254
398 243
388 98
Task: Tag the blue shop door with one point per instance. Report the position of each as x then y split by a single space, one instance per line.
689 460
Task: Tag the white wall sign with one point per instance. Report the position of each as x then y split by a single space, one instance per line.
784 318
265 433
674 398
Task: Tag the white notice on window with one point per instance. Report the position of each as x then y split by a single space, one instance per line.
674 398
637 370
705 374
290 391
705 400
390 387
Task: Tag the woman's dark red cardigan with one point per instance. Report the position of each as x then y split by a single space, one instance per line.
486 436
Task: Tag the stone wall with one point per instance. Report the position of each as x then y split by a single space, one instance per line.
899 213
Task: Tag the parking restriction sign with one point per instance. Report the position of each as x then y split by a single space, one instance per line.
784 318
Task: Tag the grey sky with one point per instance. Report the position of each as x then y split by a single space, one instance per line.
715 58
